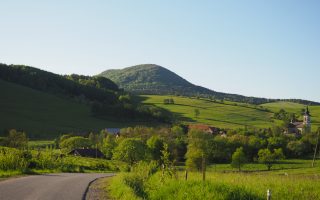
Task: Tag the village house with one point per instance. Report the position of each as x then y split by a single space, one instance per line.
90 153
208 129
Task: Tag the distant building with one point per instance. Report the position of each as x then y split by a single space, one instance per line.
113 131
207 129
90 153
300 127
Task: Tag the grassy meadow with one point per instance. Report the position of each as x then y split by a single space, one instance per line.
229 114
290 179
216 114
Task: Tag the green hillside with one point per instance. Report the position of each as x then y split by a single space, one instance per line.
228 114
288 106
44 115
151 79
215 114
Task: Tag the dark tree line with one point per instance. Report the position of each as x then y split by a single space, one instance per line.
201 92
56 84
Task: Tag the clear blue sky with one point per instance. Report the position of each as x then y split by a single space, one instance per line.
260 48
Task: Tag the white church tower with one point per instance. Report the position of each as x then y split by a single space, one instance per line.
307 120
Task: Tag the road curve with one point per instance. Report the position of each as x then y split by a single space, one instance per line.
64 186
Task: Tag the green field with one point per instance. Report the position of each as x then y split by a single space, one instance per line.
40 144
228 114
215 114
290 179
44 115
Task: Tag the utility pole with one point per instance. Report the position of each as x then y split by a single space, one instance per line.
316 149
96 150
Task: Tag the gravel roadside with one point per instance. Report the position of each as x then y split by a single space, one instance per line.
98 190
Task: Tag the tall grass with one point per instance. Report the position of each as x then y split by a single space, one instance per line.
192 190
12 159
287 183
133 184
143 183
283 186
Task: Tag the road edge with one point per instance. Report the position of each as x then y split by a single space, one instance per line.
91 183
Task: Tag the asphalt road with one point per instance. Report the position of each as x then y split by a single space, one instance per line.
65 186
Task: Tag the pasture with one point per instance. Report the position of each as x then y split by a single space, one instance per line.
290 179
229 115
213 113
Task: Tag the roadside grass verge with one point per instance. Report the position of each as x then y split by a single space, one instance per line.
11 173
293 179
15 162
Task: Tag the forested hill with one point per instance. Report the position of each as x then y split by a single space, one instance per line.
101 94
154 79
93 89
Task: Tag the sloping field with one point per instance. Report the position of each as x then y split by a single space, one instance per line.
215 114
44 115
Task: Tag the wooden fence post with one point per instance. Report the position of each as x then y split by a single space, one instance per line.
268 194
203 168
186 174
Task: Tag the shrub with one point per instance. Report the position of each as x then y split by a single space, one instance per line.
16 139
46 159
13 159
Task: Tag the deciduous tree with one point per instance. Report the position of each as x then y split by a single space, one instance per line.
130 150
238 159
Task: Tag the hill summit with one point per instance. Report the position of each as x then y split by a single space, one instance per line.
148 78
155 79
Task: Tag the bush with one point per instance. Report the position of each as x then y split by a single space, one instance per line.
45 160
16 139
13 159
